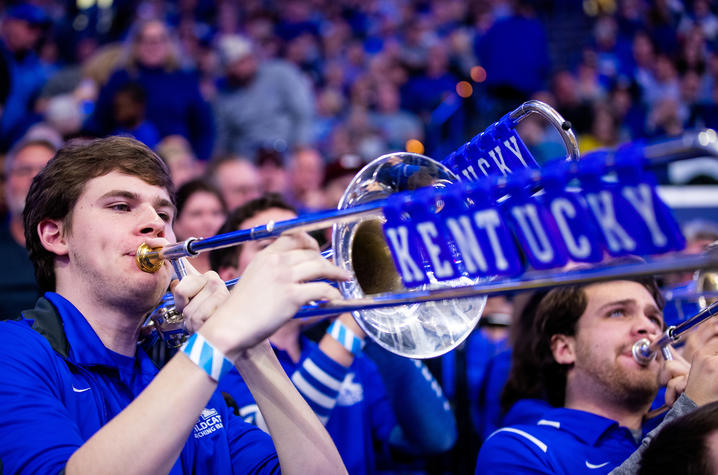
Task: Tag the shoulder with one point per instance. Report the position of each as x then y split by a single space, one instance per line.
117 78
277 67
521 448
18 338
27 362
524 436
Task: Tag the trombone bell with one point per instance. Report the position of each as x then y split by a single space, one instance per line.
417 329
373 264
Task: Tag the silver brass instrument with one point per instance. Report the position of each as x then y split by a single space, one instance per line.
706 289
408 325
431 319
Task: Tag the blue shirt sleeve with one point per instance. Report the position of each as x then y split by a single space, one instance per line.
38 434
382 416
418 402
508 452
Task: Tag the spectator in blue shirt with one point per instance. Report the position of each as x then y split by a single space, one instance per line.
78 395
346 387
584 337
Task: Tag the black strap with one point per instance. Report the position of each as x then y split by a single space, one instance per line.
47 322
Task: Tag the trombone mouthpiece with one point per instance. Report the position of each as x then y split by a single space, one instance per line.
148 259
642 352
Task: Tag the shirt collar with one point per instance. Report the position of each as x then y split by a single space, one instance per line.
586 426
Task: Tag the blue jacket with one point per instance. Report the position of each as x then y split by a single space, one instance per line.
59 385
174 105
564 441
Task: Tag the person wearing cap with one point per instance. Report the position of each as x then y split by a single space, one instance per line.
23 72
260 104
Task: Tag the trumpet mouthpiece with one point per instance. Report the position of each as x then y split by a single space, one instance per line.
148 259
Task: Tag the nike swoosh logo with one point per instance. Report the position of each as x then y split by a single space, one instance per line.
87 389
590 465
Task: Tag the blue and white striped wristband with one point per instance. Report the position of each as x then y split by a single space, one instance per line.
345 337
206 356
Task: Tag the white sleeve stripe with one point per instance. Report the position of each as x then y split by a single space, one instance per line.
311 392
253 415
249 409
528 436
544 422
320 375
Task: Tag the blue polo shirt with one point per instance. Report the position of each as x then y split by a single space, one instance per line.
562 441
59 385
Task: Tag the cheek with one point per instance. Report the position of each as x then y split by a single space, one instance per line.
170 233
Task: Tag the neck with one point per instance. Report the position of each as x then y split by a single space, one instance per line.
596 401
117 326
17 229
287 339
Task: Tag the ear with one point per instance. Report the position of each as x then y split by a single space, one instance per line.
563 348
227 273
52 236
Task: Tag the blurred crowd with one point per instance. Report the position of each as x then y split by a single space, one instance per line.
295 87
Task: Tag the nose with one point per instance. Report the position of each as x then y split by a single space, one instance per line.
645 326
151 223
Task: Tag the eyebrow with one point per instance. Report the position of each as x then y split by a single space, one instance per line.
158 202
617 302
626 302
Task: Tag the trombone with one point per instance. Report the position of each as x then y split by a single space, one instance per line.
422 326
437 317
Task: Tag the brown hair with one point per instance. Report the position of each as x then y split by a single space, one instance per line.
56 189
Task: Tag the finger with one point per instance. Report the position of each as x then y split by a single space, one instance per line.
199 309
677 356
317 269
670 395
675 388
297 256
187 288
156 242
189 268
205 303
298 240
310 291
675 368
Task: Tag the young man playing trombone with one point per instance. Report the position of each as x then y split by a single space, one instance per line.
77 393
584 340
